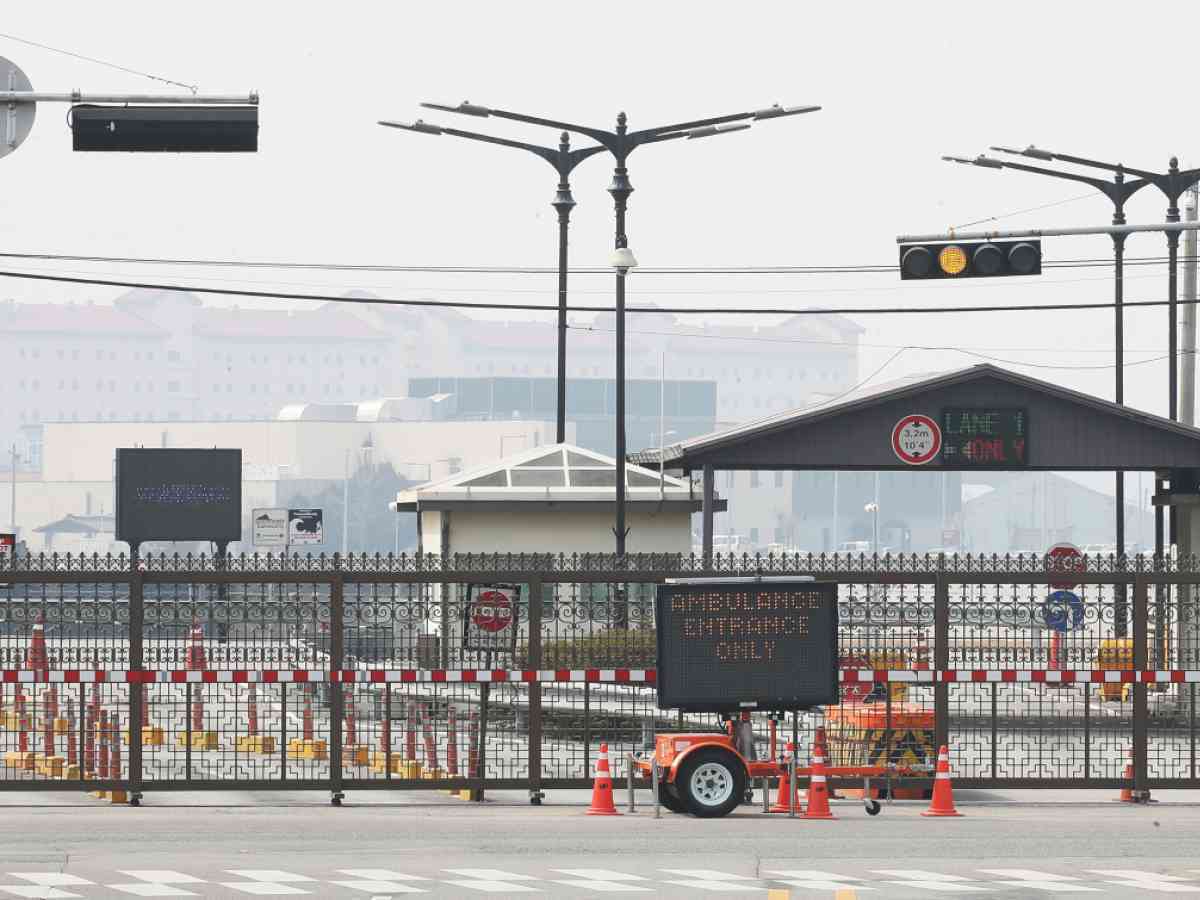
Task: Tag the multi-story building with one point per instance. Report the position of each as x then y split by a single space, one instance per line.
164 356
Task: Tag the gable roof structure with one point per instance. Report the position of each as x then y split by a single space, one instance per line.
1067 430
558 474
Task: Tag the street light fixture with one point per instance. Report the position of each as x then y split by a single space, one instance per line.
620 143
564 160
1118 191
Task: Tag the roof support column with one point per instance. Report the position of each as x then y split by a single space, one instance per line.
707 506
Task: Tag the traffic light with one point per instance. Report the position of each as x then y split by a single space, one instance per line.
165 129
975 259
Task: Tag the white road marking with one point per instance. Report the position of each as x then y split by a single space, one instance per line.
822 885
380 887
162 876
709 875
495 887
491 875
262 887
52 879
381 875
149 889
274 875
920 875
36 890
610 887
1148 881
717 884
601 875
812 875
1039 881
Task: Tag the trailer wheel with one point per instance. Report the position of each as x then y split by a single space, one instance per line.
873 807
711 782
669 799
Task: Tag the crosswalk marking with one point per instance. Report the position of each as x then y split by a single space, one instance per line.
52 879
162 876
491 875
714 880
381 875
608 887
152 889
933 881
380 887
494 887
40 891
1148 881
1039 881
602 875
262 887
274 875
816 880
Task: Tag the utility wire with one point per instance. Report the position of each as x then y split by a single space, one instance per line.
870 269
100 62
1021 212
539 307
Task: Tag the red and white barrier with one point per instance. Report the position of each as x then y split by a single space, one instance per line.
566 676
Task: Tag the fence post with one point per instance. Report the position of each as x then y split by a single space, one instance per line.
1141 793
535 692
941 660
135 688
336 700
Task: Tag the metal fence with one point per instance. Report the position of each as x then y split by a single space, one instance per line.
268 672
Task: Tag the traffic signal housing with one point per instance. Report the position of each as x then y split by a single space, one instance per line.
165 129
970 259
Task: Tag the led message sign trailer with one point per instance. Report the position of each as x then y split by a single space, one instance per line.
985 436
179 495
746 644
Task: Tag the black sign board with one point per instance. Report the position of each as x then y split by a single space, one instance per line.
179 495
985 437
740 644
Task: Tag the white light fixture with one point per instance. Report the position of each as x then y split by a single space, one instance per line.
623 259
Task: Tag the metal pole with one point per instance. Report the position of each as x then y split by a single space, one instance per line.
346 507
620 190
654 786
662 435
835 512
1171 226
1187 382
12 508
564 203
1172 301
250 99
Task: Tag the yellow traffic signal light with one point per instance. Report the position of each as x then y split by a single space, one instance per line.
978 259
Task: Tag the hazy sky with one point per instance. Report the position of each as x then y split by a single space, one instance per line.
901 84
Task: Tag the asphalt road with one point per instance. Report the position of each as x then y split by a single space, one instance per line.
1016 844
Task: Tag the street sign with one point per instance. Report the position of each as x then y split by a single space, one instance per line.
270 527
983 437
745 643
178 494
490 617
916 439
305 526
1063 611
1064 558
16 119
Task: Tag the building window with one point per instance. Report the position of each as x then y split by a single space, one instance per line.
778 479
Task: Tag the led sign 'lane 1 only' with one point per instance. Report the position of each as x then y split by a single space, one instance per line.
728 646
985 437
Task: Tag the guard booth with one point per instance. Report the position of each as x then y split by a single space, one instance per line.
997 615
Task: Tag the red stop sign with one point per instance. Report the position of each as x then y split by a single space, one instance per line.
1064 558
492 611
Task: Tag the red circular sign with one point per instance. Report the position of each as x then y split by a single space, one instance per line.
1064 558
492 611
916 439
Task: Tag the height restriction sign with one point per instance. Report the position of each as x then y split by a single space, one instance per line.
916 439
490 617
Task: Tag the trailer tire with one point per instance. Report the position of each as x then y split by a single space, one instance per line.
711 782
669 799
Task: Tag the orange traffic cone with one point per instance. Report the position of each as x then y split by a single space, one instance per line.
781 798
818 790
942 803
1126 795
602 788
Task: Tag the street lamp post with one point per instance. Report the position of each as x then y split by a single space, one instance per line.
620 143
564 160
1118 191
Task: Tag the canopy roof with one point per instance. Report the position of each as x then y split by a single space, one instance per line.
556 473
1065 430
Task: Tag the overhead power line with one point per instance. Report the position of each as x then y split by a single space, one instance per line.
869 269
536 307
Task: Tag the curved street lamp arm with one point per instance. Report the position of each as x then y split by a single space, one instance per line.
641 137
601 137
1118 193
1082 161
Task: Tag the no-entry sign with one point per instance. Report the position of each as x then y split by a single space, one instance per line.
916 439
1064 558
490 617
